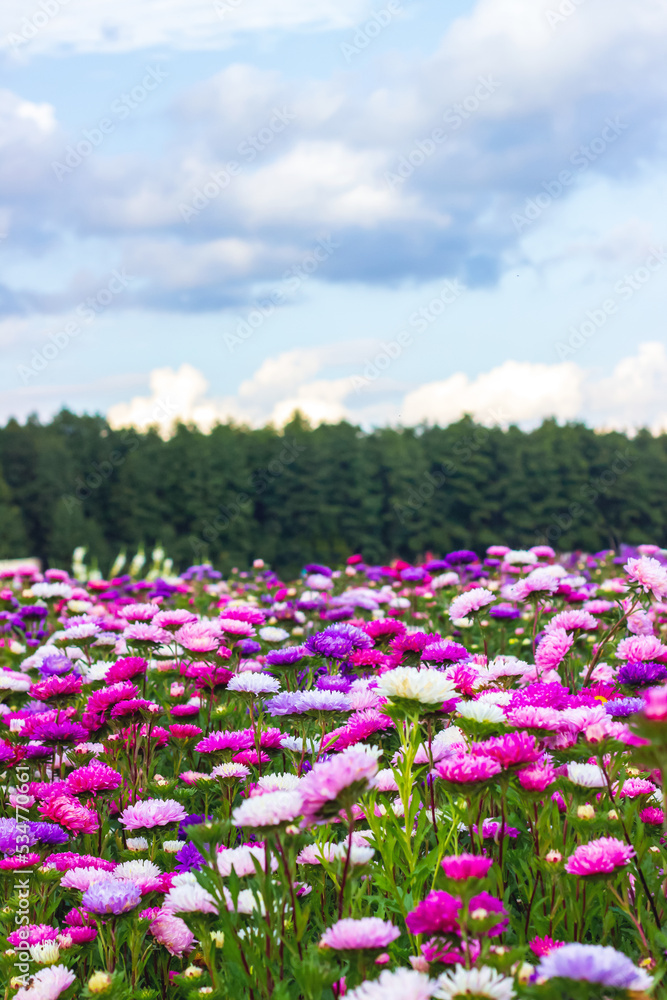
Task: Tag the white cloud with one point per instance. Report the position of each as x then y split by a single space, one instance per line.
524 393
114 26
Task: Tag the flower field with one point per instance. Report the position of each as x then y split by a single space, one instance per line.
378 782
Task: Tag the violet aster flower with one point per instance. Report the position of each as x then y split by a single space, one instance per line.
150 813
622 707
283 657
62 731
188 859
444 652
111 896
300 702
48 833
338 641
638 674
9 834
594 963
350 934
601 856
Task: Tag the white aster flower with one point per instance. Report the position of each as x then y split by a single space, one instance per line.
270 809
482 982
271 633
188 896
45 954
137 844
586 775
400 984
519 557
496 697
283 782
230 770
296 744
254 683
173 846
479 711
46 590
242 860
12 680
427 686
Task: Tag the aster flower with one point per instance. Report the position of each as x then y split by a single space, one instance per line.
633 674
330 782
480 711
188 859
300 702
366 933
480 982
61 731
188 896
539 581
338 641
244 860
461 867
444 652
553 649
423 685
233 740
172 932
32 934
437 914
111 896
633 788
637 648
56 687
624 707
70 814
230 771
652 816
66 861
254 683
594 964
269 810
470 602
144 874
586 775
601 856
572 621
96 777
466 769
402 984
83 878
536 777
124 668
284 657
510 749
649 575
48 983
151 813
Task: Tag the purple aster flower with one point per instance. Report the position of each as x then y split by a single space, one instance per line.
461 557
335 683
111 896
594 963
283 657
436 566
188 858
299 702
624 706
340 613
9 832
338 641
55 666
62 731
444 652
192 819
503 611
318 568
639 674
413 574
48 833
248 646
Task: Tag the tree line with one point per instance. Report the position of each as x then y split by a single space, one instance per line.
318 494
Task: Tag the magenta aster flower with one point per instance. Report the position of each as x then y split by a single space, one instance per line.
652 815
56 687
234 740
437 914
100 701
601 856
464 866
466 769
633 788
66 860
350 934
343 777
96 777
70 814
655 703
537 777
510 749
32 934
126 667
151 813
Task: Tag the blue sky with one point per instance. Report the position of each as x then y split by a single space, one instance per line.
392 212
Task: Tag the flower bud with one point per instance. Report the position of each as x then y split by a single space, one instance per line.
99 982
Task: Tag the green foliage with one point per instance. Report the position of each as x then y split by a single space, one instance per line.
321 493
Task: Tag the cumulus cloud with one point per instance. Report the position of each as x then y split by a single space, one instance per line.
522 393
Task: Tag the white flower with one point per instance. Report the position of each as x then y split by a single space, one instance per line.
188 896
483 982
427 686
230 770
140 872
83 878
401 984
519 557
87 631
496 697
242 860
252 683
11 680
46 590
271 633
586 775
296 744
173 846
270 809
445 580
96 671
45 954
137 844
278 782
247 902
479 711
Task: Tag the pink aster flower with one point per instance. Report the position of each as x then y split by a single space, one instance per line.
139 612
571 621
47 984
198 638
234 740
537 777
649 575
96 777
470 602
32 934
184 731
540 581
533 717
343 776
146 633
541 946
466 769
553 649
635 787
172 932
100 701
126 667
24 861
70 814
461 867
510 749
174 619
640 647
350 934
66 860
437 914
151 813
83 878
144 874
655 703
652 815
56 687
603 855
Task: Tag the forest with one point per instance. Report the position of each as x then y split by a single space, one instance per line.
322 493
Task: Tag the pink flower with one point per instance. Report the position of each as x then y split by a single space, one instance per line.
198 638
323 788
571 620
270 809
652 815
649 575
470 602
32 934
368 932
640 647
184 732
147 633
56 687
541 946
466 769
151 813
234 740
100 701
96 777
126 667
464 866
603 855
534 717
540 581
437 914
83 878
510 749
655 703
553 649
537 777
402 984
70 814
172 932
634 787
47 984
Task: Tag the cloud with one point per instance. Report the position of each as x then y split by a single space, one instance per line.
113 26
522 393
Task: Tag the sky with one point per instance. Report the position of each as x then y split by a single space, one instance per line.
386 211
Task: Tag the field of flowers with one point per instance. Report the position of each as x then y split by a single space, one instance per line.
379 782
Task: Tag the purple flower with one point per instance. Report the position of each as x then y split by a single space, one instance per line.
192 819
318 568
329 683
283 657
624 706
461 557
48 833
111 896
638 674
413 574
62 731
55 665
338 641
248 646
298 702
9 833
188 859
444 652
594 963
